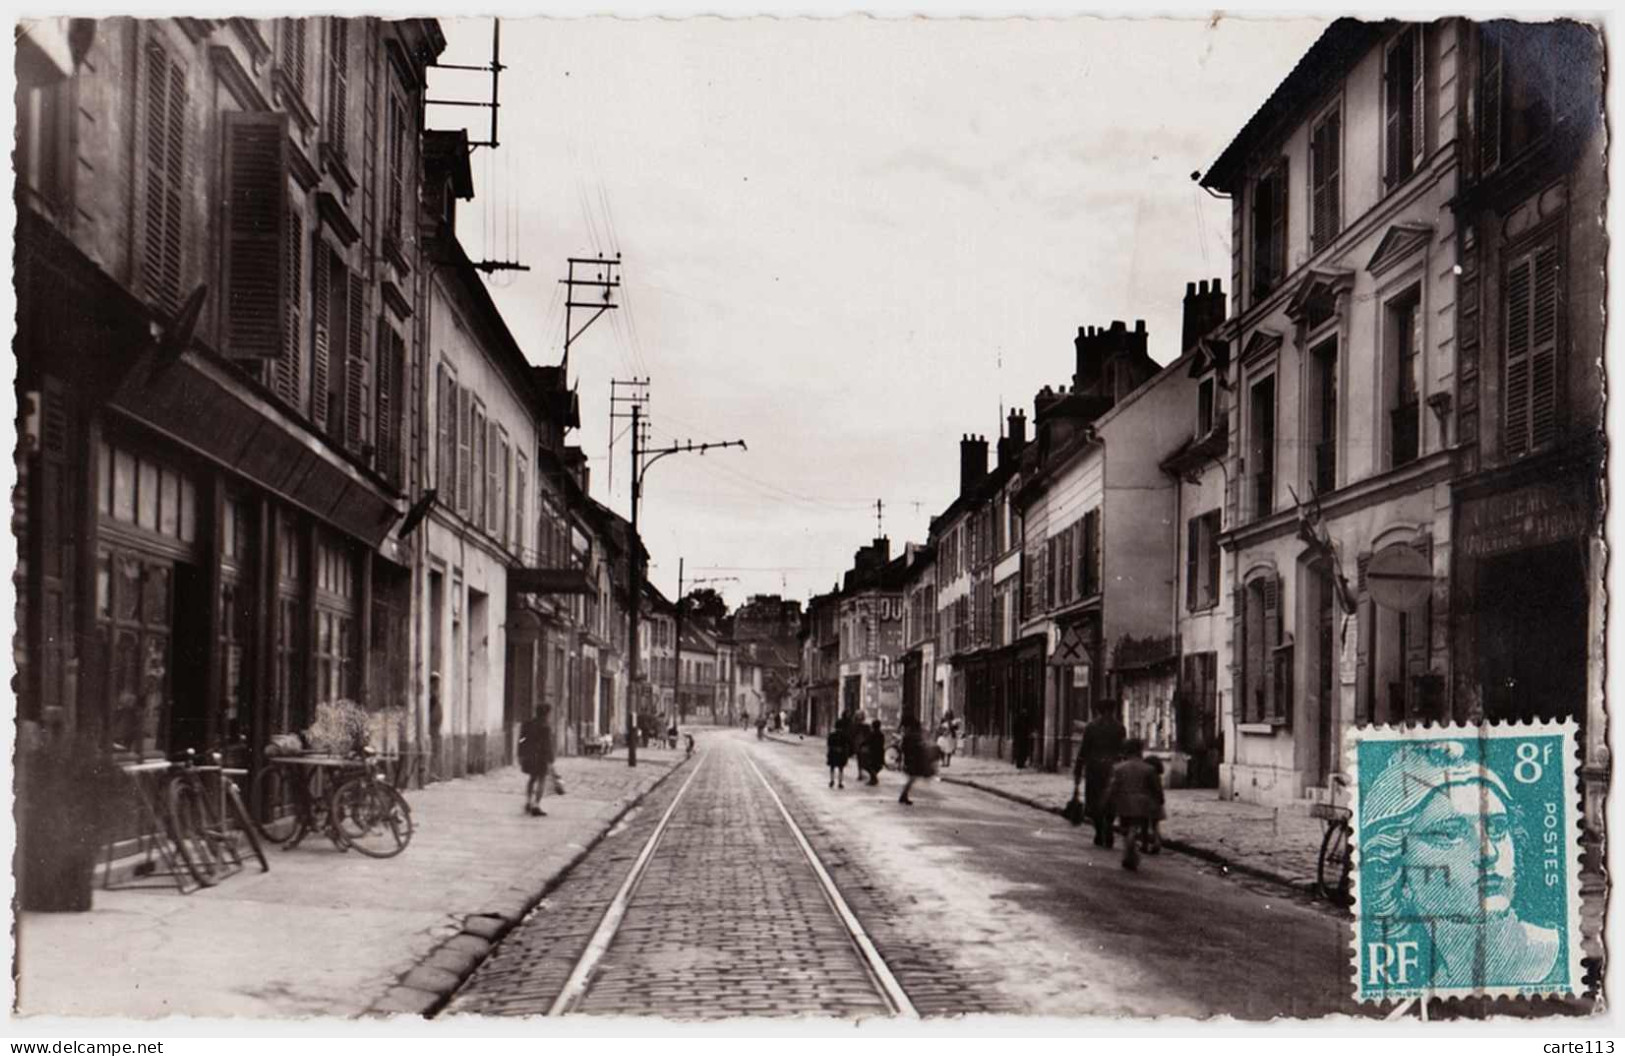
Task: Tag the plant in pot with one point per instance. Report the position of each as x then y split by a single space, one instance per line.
69 803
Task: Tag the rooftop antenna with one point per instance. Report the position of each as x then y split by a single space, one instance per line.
880 509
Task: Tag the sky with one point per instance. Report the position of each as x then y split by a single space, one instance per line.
848 242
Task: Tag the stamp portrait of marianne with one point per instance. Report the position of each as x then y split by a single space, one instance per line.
1466 848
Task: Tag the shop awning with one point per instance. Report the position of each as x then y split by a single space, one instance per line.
189 403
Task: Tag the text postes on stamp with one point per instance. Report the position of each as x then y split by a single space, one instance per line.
1466 857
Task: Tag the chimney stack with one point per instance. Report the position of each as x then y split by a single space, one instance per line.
1204 311
1014 438
972 462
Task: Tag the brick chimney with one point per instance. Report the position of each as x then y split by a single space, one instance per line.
1097 345
1204 311
1014 438
972 462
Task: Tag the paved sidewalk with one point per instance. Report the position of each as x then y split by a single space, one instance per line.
331 934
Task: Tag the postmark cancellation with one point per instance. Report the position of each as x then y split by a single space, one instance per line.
1466 861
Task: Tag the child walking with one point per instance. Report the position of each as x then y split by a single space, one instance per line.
1134 794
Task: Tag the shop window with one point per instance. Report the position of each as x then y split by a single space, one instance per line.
138 492
1269 230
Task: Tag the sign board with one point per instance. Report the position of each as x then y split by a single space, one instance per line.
549 581
1080 676
1070 648
1399 577
1535 515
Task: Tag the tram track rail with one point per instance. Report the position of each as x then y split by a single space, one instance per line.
572 998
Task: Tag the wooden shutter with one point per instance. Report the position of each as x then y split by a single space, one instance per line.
293 51
1278 190
321 344
256 232
1394 110
1489 102
465 411
355 368
1543 355
1272 638
384 402
1418 94
338 83
1519 319
291 363
1214 558
1238 655
491 495
165 105
1323 154
1193 540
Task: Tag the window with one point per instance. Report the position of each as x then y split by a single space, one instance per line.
1261 695
465 411
387 392
1204 407
1068 583
1528 74
1323 411
1089 563
1261 454
1405 334
43 141
1325 147
1048 570
1530 295
493 481
1404 95
163 165
338 83
1269 230
446 435
394 206
288 378
1202 561
521 496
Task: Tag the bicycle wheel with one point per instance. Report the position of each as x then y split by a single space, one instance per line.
188 806
276 805
239 816
371 817
1332 871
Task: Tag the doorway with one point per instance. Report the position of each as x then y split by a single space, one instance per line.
1532 624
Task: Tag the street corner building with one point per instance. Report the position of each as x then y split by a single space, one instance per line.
277 447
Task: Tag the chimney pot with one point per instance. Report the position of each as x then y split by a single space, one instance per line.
1202 287
1139 326
1190 289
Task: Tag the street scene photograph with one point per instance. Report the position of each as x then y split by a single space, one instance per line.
809 522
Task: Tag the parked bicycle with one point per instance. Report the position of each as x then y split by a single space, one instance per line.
1336 863
348 800
207 818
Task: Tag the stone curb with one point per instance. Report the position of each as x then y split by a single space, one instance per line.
1192 849
427 986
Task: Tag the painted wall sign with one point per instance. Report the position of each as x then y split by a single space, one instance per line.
1534 515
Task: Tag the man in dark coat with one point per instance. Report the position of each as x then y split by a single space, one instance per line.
536 757
1099 750
916 757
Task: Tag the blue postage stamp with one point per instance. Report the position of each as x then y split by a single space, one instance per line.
1466 861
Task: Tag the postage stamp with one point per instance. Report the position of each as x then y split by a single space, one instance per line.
1466 861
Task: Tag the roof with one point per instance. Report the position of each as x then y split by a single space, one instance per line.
1326 61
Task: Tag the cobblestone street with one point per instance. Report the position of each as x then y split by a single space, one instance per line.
971 902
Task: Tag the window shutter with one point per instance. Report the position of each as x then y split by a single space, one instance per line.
1393 111
1278 223
1262 200
1193 539
465 413
1418 144
1519 283
1272 639
1333 159
1489 103
355 369
1543 358
1215 559
256 229
165 145
1362 654
1238 655
338 83
442 431
293 51
384 397
321 344
491 494
1320 223
289 366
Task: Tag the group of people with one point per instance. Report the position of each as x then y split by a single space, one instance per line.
1119 784
853 740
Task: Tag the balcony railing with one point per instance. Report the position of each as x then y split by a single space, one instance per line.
1406 422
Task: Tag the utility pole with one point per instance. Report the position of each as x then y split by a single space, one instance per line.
637 390
606 278
642 459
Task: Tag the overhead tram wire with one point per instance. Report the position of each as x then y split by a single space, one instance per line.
784 494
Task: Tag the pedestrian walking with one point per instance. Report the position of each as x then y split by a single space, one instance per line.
838 748
1099 750
671 736
1134 794
536 757
947 744
916 757
872 757
761 727
1153 842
